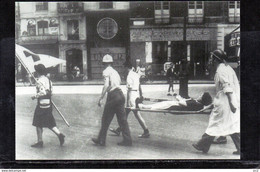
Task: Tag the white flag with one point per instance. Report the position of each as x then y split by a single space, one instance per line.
29 59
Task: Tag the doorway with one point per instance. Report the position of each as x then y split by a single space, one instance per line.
74 58
198 54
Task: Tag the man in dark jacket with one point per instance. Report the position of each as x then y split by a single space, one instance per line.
170 78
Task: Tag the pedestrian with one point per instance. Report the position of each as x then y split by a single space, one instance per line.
43 117
170 77
225 116
114 105
184 77
134 94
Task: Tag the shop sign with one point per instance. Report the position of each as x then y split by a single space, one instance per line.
97 54
53 26
198 34
156 34
235 39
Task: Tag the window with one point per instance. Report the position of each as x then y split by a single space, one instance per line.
162 12
73 29
70 7
43 28
234 11
41 6
107 28
106 5
31 28
195 12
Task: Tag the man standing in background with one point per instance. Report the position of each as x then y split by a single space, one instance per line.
170 76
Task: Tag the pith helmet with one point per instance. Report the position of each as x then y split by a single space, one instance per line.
219 54
107 59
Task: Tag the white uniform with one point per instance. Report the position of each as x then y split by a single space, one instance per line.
222 121
113 77
132 85
42 85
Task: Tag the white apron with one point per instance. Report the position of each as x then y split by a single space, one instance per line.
222 121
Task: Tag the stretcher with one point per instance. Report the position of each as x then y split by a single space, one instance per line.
173 112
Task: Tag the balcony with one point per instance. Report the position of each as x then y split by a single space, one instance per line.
38 39
195 20
151 21
70 7
215 19
235 19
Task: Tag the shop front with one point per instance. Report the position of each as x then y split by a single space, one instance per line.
156 46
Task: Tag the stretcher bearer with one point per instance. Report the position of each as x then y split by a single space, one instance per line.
43 117
134 94
225 116
114 105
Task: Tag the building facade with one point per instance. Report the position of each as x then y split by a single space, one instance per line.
168 31
155 32
78 32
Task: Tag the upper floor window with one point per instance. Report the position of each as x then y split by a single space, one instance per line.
70 7
162 11
195 11
31 27
43 28
73 29
106 5
234 11
41 6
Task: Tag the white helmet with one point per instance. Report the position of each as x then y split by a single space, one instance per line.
107 59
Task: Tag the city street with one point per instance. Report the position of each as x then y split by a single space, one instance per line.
171 135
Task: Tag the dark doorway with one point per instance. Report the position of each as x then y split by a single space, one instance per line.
198 59
74 58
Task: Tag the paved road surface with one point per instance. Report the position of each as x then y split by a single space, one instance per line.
171 135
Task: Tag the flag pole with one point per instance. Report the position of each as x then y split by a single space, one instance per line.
59 112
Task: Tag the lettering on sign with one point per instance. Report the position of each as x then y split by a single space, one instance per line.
97 54
198 34
235 39
156 34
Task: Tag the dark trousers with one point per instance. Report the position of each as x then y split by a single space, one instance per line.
206 140
170 85
184 87
115 105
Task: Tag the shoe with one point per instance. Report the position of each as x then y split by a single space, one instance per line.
123 143
97 142
61 138
169 94
236 153
38 145
220 140
174 94
198 148
146 134
114 131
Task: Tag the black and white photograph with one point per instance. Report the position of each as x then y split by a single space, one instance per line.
127 80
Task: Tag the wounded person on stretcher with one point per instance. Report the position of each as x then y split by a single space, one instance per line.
181 104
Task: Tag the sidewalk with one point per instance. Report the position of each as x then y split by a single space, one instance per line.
101 82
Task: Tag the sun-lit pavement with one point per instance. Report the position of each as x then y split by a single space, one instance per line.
171 135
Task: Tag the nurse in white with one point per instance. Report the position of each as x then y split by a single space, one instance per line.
225 116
